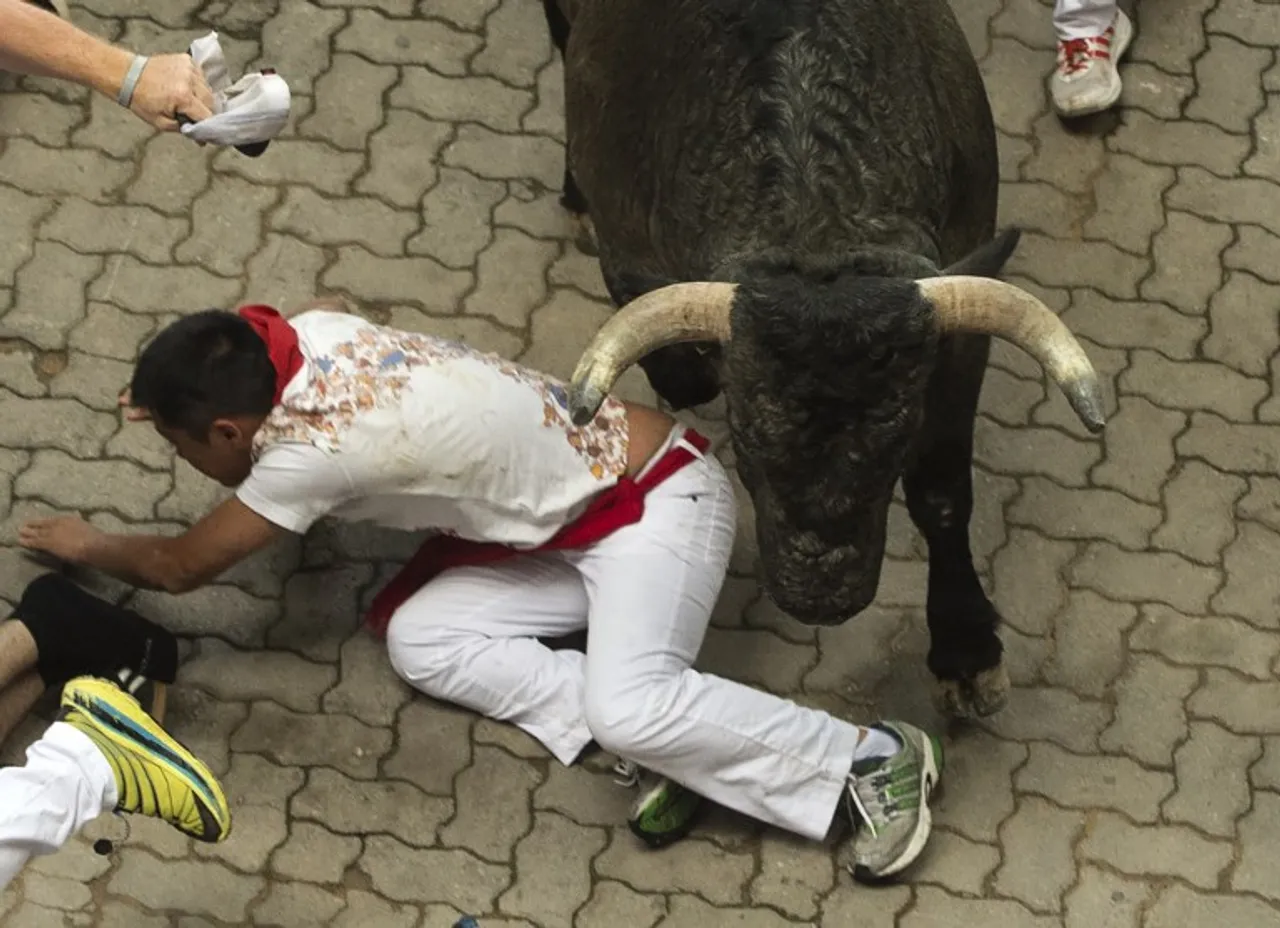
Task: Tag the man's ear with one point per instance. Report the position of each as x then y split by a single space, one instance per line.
227 431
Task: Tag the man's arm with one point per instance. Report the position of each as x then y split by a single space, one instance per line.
226 536
35 42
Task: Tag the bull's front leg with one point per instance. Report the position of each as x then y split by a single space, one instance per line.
965 653
571 196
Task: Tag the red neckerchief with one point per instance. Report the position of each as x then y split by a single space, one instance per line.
281 340
619 506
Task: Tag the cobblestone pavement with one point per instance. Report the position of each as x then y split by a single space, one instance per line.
1134 778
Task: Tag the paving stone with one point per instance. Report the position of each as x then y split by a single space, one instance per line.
956 864
1038 866
363 221
50 296
1187 271
1058 262
76 172
1181 907
1245 334
1194 385
1155 851
369 688
934 908
1008 399
455 224
1089 636
495 156
110 129
258 830
1101 899
22 214
247 676
119 915
172 174
1149 720
584 796
201 887
1173 40
365 910
254 780
1196 641
692 866
1046 452
794 876
1265 774
1129 210
574 269
510 278
139 287
348 98
1262 502
297 161
1016 96
757 658
74 861
321 611
433 748
356 807
1254 250
1148 88
44 120
855 657
1199 505
517 43
55 892
419 281
979 793
1241 449
315 855
1134 324
403 156
492 804
1041 207
293 739
1051 714
1213 786
1144 577
1252 591
1240 200
482 100
283 272
1246 21
225 220
1028 580
32 915
296 905
1228 83
1139 448
62 424
296 42
405 874
1080 782
617 904
205 612
397 41
553 871
96 382
90 485
1084 514
92 229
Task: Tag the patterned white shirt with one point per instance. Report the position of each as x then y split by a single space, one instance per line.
416 432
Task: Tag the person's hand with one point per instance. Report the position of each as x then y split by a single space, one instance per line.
66 537
171 85
131 412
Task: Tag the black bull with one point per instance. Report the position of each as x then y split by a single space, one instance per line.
794 202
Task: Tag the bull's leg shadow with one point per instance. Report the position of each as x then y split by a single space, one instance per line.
965 653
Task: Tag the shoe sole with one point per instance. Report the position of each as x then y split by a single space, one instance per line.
1124 38
99 698
931 764
658 840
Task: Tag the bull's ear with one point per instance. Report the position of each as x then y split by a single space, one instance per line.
988 260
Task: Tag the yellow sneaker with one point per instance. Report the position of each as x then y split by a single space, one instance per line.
155 775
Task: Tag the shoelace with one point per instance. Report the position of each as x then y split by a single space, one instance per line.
1077 52
628 773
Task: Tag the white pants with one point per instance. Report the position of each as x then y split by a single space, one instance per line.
65 784
645 595
1082 19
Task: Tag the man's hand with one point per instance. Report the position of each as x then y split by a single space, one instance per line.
69 538
131 412
171 85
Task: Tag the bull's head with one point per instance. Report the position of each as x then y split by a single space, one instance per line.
825 380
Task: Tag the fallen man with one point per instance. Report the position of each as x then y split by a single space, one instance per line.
536 528
107 750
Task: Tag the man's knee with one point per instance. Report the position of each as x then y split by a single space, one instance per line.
628 718
421 653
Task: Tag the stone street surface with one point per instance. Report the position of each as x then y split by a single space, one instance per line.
1134 778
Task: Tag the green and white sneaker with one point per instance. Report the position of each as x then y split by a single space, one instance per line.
888 800
664 812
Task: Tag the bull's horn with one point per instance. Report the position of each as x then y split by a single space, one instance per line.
993 307
690 312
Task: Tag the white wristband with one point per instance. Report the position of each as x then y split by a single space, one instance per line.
125 96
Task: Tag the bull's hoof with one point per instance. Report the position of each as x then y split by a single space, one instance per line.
983 695
585 239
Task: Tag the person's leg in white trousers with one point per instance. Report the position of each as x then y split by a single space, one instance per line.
1092 37
646 594
65 784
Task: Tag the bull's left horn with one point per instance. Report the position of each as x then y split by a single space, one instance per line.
993 307
690 312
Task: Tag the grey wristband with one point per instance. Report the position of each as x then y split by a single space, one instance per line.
125 96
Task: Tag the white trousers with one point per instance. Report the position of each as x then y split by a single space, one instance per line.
65 784
645 595
1082 19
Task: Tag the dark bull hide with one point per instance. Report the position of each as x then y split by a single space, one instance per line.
794 201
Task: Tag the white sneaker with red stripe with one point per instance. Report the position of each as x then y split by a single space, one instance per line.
1086 80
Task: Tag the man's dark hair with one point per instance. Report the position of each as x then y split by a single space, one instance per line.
207 366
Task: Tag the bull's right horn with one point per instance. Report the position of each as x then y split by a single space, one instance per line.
689 312
993 307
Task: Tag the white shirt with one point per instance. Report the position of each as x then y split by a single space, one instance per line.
416 432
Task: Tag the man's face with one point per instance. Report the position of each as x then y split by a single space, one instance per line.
225 455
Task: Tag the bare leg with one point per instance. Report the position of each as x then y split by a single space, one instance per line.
17 652
17 700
